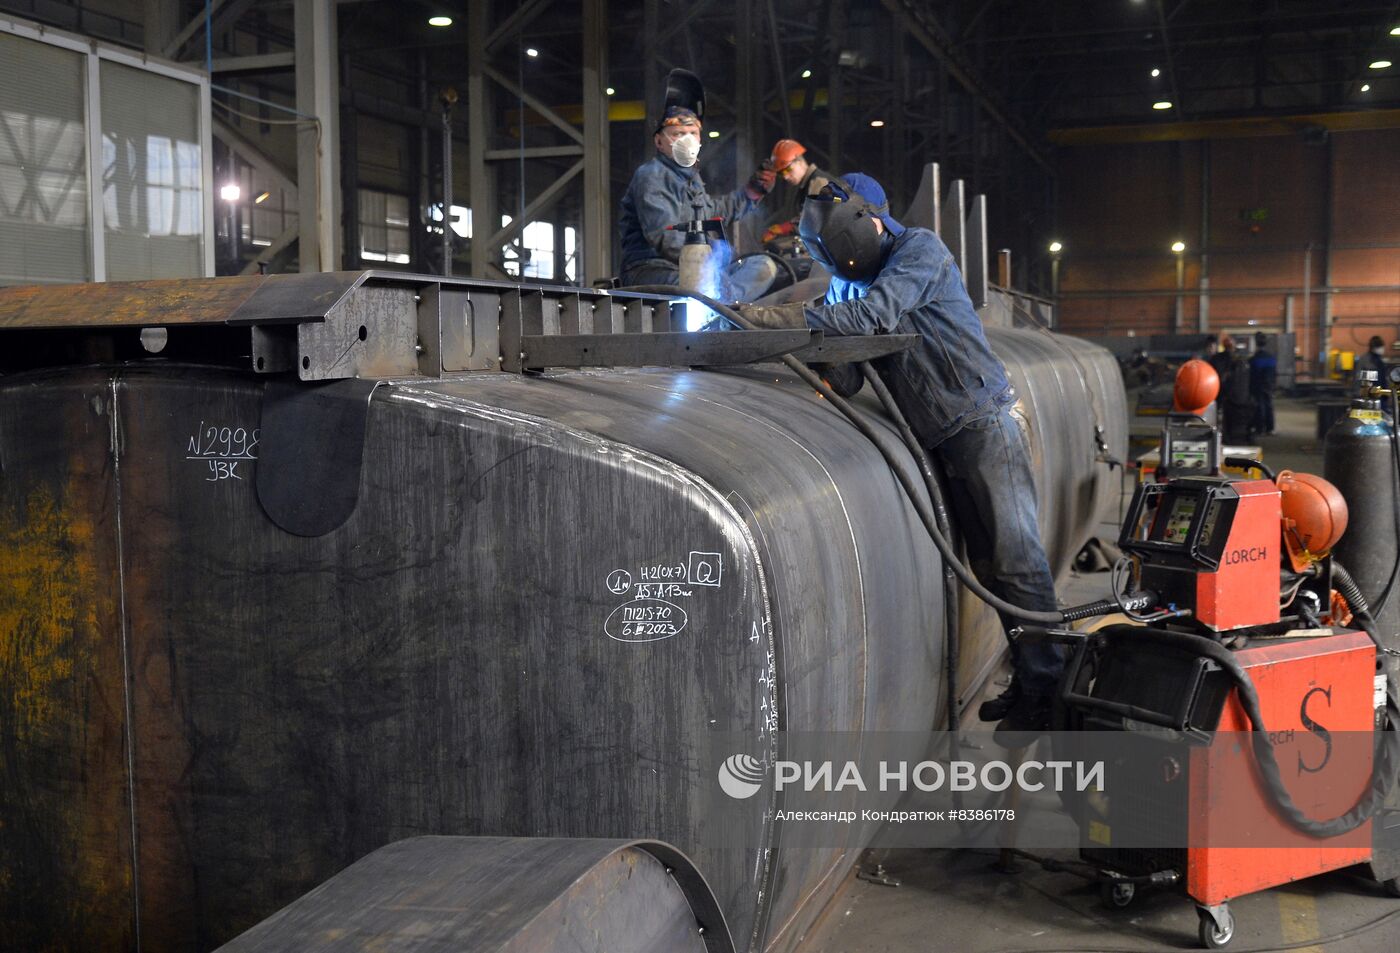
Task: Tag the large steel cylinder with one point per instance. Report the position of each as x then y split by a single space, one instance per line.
1357 459
542 594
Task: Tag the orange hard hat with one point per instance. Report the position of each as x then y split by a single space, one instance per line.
1314 516
786 152
1197 384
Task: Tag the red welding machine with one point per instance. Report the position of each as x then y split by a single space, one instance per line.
1255 724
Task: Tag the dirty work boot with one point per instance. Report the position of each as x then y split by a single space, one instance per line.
995 709
1028 719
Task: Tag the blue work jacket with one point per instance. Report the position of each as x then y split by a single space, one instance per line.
664 193
951 376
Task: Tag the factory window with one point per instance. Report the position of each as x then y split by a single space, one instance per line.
43 164
274 212
461 220
536 247
384 227
152 189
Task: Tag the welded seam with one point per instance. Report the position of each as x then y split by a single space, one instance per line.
663 468
850 528
130 731
860 580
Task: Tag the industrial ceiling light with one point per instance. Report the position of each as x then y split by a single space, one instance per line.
261 198
714 133
1381 64
876 123
531 51
1162 104
806 74
1156 72
1178 247
611 90
1365 87
1395 31
230 192
1056 248
439 21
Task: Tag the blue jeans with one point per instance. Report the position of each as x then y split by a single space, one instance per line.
992 499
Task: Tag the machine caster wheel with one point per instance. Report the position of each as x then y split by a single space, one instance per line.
1217 926
1117 893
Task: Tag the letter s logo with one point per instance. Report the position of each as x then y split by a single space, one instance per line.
1316 729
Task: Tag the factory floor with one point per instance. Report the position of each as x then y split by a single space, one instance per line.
957 901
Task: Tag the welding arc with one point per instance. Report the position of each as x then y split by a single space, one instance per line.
926 515
1384 766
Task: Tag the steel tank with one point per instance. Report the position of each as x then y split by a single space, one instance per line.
1357 459
540 595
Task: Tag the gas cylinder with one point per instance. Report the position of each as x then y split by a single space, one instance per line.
1357 459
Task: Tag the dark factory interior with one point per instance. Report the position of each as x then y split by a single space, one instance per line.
623 476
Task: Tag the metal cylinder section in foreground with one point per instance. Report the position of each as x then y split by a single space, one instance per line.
502 895
529 600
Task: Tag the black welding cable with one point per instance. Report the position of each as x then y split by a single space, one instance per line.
1360 611
1394 438
950 584
1385 764
922 508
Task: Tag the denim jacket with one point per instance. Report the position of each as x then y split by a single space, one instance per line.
664 193
951 376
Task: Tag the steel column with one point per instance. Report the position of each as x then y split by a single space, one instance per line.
482 187
318 146
597 165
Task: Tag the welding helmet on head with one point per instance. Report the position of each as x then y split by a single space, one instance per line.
685 100
838 229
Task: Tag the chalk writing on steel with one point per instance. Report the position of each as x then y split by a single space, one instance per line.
645 620
705 569
619 581
222 449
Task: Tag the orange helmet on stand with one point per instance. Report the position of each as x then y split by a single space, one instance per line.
1197 384
785 153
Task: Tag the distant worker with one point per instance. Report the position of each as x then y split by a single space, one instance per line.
959 402
788 162
1263 377
668 189
1374 358
1220 359
1236 400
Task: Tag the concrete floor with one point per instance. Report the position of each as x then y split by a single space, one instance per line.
956 901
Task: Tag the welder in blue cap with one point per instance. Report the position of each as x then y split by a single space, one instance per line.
888 279
666 190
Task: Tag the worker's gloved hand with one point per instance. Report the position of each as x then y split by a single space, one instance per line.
775 316
761 182
778 231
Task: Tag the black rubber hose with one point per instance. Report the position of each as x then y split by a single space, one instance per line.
1360 611
1245 463
1091 609
1384 597
1385 763
952 647
924 510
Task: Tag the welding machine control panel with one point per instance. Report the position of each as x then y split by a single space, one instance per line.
1184 522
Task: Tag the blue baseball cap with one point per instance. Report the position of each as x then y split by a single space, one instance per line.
874 193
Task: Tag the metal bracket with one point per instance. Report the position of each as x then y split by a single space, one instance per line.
664 348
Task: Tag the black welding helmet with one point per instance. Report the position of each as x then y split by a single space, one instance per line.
838 228
685 99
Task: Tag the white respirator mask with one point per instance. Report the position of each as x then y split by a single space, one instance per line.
686 149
